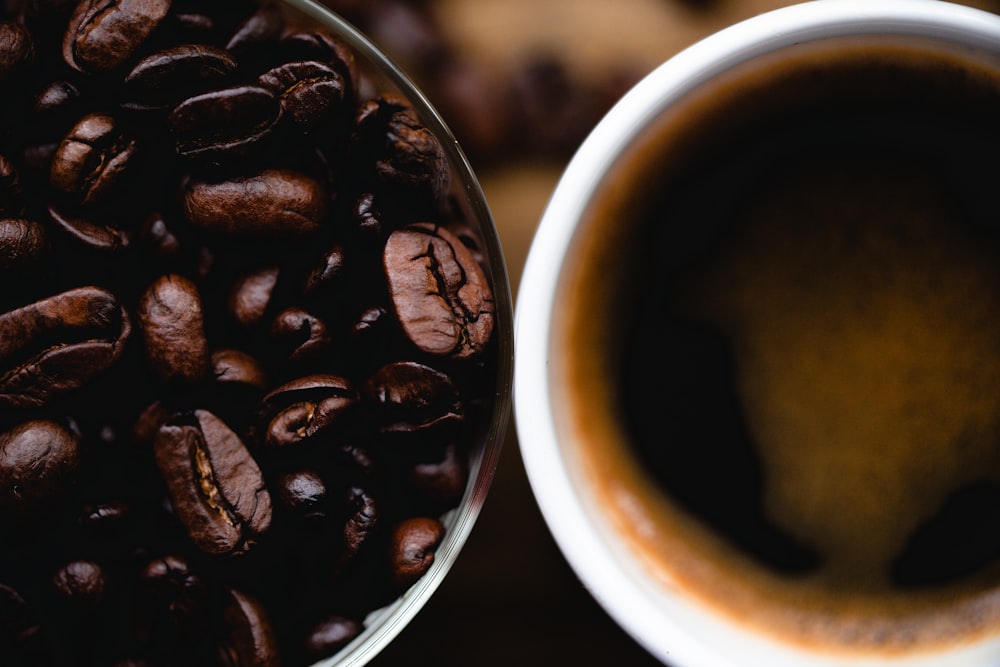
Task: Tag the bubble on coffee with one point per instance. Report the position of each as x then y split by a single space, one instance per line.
228 435
803 427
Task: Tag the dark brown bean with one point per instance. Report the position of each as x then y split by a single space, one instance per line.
22 243
298 334
442 481
409 397
92 233
439 292
167 77
215 486
303 494
238 367
90 328
412 548
361 524
93 159
263 27
271 204
250 296
405 153
309 91
17 50
329 635
81 583
172 322
249 639
39 461
303 408
103 34
173 602
230 122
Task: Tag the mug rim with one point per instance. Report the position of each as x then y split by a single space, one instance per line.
624 595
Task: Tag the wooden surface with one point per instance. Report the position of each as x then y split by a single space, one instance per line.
511 599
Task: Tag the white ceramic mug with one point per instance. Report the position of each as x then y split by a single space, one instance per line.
672 625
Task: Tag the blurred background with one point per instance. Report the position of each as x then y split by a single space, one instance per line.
520 83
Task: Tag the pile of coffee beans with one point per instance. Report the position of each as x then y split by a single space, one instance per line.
246 337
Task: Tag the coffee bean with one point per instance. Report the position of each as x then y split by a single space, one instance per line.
299 334
225 123
17 50
238 367
439 292
215 486
329 635
303 494
261 29
412 548
81 583
97 234
306 407
310 91
59 344
39 461
174 603
250 296
22 243
410 398
172 322
249 639
362 522
271 204
93 159
102 35
404 152
442 481
167 77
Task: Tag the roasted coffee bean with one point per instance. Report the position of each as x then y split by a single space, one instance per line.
215 486
17 50
15 615
96 234
362 522
56 107
404 152
103 34
303 494
271 204
22 243
173 327
249 639
309 91
261 29
410 398
306 407
238 367
328 274
81 583
174 602
167 77
439 292
299 334
321 46
442 481
59 344
39 461
412 547
250 296
329 635
225 123
92 159
105 519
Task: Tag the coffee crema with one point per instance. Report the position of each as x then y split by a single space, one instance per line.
783 320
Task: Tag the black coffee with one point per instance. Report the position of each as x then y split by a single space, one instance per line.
806 362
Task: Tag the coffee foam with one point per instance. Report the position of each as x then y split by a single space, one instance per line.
925 339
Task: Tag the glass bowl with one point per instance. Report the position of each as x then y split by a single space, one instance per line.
263 551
